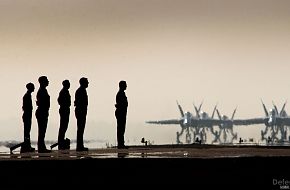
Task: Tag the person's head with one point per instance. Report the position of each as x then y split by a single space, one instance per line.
123 85
30 87
43 81
66 84
84 82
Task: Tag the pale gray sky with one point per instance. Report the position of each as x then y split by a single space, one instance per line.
230 52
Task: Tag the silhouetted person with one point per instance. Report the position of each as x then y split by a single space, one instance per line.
64 101
42 112
241 140
121 113
27 108
143 141
81 107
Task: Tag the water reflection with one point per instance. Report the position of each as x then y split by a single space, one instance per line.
275 134
228 135
218 135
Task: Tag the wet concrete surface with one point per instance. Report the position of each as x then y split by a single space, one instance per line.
157 151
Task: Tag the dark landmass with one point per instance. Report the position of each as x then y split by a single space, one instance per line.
209 166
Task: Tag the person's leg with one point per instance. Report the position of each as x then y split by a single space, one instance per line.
120 131
27 128
41 134
65 123
123 129
80 132
64 120
42 126
45 121
119 134
26 145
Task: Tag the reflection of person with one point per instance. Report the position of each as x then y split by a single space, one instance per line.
64 101
43 103
26 117
81 105
121 113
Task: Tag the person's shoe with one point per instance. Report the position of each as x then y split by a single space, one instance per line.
24 150
82 149
31 149
64 144
44 151
61 147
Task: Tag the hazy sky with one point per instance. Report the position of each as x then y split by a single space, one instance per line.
228 52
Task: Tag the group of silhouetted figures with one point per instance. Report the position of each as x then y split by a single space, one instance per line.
64 101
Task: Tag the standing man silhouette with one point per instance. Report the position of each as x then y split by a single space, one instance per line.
42 112
121 113
64 101
27 108
81 108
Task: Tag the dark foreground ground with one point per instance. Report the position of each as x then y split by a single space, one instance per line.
234 167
